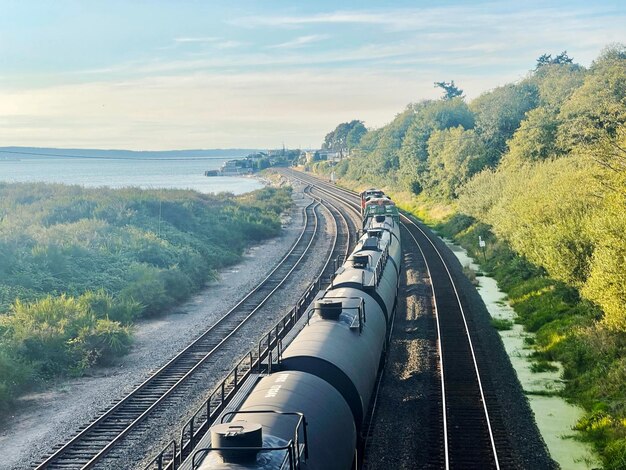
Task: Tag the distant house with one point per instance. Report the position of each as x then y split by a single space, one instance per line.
331 155
328 155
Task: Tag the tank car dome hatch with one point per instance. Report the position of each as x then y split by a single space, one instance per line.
391 235
370 243
264 460
382 287
328 309
360 261
237 434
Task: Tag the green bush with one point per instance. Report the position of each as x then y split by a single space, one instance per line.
78 266
15 375
615 455
501 324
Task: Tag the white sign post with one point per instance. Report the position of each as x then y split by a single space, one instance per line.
482 244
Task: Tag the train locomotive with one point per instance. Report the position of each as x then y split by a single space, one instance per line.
310 414
368 194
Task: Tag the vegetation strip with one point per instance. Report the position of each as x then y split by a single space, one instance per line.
79 265
536 170
125 416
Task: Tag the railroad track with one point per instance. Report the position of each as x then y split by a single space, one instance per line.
351 227
469 440
341 195
95 441
176 451
470 420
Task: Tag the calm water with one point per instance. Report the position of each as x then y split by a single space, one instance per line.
146 174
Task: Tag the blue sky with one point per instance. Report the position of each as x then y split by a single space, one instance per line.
206 74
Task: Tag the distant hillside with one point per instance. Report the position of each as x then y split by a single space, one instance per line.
37 152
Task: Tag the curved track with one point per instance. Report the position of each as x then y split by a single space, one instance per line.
176 451
344 237
92 443
351 222
467 430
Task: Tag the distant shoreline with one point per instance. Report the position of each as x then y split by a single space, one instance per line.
13 152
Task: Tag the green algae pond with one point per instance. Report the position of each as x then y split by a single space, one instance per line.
554 416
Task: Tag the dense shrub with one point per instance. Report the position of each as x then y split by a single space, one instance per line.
78 266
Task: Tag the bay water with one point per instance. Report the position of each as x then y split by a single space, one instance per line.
157 173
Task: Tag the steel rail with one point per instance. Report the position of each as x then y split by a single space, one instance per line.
327 188
345 224
440 349
408 222
158 462
50 461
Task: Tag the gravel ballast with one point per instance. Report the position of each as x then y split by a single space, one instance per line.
400 437
409 401
53 416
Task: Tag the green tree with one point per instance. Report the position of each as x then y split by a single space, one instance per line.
455 155
499 113
535 139
428 117
606 284
598 107
450 90
559 59
345 136
355 135
556 83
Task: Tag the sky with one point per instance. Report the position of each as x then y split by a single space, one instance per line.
158 75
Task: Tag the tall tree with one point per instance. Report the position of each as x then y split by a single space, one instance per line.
345 136
455 155
559 59
450 90
499 113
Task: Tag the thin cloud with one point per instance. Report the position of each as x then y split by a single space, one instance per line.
424 18
300 41
204 39
229 44
340 17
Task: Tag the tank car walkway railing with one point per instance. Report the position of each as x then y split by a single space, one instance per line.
92 443
261 359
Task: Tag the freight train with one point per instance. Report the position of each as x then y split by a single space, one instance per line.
373 197
310 414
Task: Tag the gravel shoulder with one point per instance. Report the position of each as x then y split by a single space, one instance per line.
409 400
400 432
44 419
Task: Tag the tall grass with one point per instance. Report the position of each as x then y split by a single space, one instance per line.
78 266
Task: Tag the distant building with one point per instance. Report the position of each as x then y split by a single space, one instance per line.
328 155
331 155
